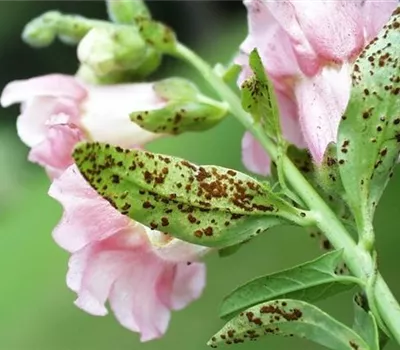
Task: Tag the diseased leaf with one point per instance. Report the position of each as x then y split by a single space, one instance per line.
187 109
311 281
176 89
288 317
206 205
228 251
369 134
157 34
365 325
125 11
258 97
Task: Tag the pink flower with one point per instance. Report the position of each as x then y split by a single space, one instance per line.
144 274
59 110
308 48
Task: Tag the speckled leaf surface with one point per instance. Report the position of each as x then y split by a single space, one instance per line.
258 97
287 317
157 35
312 281
180 116
206 205
369 134
365 325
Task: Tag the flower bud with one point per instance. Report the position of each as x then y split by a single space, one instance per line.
125 11
112 49
43 30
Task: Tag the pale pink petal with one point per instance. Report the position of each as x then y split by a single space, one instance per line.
189 283
284 13
94 269
335 29
322 100
87 216
32 124
134 298
269 37
254 156
105 114
55 152
174 250
376 14
289 118
52 85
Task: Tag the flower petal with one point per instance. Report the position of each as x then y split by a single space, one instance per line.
94 269
189 283
87 216
174 250
106 113
55 152
254 156
52 85
376 14
33 122
269 37
134 298
322 100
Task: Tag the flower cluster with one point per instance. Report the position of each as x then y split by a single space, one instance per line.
143 273
308 48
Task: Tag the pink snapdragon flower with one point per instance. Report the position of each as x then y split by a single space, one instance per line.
59 110
144 274
308 48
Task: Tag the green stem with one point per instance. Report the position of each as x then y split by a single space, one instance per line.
356 257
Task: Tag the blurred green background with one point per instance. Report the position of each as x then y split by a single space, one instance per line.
36 310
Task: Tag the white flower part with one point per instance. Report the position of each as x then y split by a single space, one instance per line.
105 113
173 249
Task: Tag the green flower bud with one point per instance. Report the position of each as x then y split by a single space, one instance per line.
125 11
113 48
43 30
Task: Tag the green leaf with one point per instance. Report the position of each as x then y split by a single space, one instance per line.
125 11
258 97
157 34
180 116
206 205
288 317
365 325
369 133
186 110
176 89
311 281
228 251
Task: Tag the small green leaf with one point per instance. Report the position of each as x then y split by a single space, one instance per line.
369 133
158 35
258 97
228 73
176 89
365 325
311 281
288 317
125 11
187 109
206 205
180 116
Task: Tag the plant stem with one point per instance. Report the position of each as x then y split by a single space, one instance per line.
356 257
